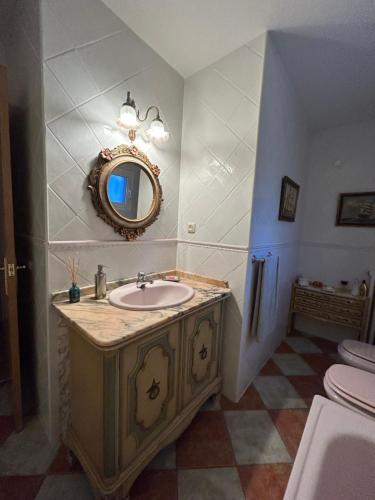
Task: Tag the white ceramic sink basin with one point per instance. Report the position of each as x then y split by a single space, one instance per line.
157 295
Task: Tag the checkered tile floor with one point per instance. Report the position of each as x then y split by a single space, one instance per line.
230 451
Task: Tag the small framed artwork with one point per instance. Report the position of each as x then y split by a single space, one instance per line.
288 200
356 209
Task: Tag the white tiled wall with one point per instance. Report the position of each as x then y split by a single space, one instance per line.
89 65
221 108
219 140
121 260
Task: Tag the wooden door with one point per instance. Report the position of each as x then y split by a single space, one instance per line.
8 280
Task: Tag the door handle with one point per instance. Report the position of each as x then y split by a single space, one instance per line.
203 352
12 269
154 390
9 271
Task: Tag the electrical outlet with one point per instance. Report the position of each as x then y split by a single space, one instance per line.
192 227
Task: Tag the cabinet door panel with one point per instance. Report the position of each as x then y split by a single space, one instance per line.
201 350
148 389
151 386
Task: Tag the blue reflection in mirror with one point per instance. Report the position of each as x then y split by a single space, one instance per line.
117 189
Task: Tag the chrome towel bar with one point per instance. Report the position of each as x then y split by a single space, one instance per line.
255 258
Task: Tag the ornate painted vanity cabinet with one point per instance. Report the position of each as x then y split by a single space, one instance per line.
136 383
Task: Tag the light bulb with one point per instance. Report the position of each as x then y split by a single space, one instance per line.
157 132
128 117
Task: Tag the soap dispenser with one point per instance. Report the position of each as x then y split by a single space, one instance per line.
100 283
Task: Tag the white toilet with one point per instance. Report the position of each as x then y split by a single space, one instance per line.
336 456
352 388
358 354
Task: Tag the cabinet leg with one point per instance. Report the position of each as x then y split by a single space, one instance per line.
216 398
97 495
290 323
364 337
71 458
212 403
114 496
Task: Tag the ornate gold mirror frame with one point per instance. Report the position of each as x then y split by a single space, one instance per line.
108 160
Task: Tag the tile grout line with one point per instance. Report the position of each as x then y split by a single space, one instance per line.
83 45
100 94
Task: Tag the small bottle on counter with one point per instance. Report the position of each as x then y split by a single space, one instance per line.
74 293
100 283
363 289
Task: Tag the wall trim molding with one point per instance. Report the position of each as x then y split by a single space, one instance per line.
209 244
273 246
337 246
66 245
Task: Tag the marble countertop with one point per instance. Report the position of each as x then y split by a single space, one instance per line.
107 326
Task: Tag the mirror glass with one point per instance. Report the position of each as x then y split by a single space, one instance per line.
130 191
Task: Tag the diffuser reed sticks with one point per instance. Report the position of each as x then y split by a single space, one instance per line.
72 266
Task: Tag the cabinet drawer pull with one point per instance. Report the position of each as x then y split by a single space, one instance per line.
154 390
203 352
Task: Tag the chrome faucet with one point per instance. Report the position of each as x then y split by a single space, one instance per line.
143 279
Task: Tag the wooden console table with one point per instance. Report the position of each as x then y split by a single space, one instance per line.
332 307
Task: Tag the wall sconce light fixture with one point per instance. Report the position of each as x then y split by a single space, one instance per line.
131 120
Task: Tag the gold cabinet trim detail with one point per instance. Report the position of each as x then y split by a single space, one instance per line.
193 381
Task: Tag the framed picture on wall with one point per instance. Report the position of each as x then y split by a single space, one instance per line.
288 200
356 209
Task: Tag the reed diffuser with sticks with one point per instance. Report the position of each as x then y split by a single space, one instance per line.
72 264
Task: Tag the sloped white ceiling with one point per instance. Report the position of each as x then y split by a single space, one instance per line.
334 78
328 45
190 34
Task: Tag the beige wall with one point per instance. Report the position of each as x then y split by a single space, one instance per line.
282 150
340 160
